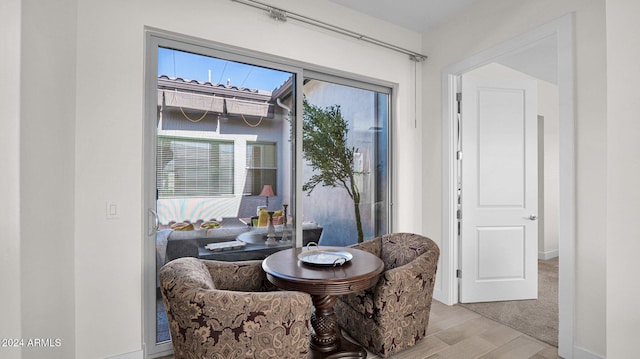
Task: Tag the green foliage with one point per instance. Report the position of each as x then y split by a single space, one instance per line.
324 146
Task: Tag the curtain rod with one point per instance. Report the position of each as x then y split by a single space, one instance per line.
283 15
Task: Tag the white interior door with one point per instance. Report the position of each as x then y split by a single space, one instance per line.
499 190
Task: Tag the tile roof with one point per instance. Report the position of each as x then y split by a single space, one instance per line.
208 84
207 88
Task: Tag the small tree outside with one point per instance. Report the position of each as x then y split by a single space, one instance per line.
324 146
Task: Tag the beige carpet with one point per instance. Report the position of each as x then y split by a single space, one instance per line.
537 318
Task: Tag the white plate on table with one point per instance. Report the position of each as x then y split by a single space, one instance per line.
325 257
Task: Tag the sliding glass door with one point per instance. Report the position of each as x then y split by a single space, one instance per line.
230 146
219 144
219 160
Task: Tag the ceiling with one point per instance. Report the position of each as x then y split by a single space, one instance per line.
417 15
539 61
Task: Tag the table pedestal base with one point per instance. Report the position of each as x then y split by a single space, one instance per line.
326 339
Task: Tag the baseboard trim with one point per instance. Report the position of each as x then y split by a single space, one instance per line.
438 295
139 354
581 353
548 255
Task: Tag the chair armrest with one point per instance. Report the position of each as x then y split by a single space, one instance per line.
238 276
373 246
404 289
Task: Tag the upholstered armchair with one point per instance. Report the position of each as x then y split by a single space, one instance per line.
225 310
394 314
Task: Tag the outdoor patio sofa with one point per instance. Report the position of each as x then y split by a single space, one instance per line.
173 244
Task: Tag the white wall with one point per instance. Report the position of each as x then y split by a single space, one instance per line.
108 278
491 22
109 134
10 22
623 170
38 95
548 108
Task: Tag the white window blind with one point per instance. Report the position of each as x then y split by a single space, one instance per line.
188 167
261 167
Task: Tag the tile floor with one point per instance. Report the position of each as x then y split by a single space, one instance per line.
458 333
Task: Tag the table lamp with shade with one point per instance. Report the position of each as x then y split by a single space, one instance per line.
267 191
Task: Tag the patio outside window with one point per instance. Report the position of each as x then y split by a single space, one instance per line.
365 112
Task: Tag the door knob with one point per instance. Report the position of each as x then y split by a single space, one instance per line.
533 217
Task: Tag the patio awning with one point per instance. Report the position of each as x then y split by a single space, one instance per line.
243 107
191 101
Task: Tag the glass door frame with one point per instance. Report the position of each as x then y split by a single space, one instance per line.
154 38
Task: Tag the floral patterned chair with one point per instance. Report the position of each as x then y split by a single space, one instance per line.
394 314
226 310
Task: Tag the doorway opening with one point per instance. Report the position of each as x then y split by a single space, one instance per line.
562 30
530 303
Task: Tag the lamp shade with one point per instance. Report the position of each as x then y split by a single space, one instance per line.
267 191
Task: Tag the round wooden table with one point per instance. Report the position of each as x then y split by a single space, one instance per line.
325 283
